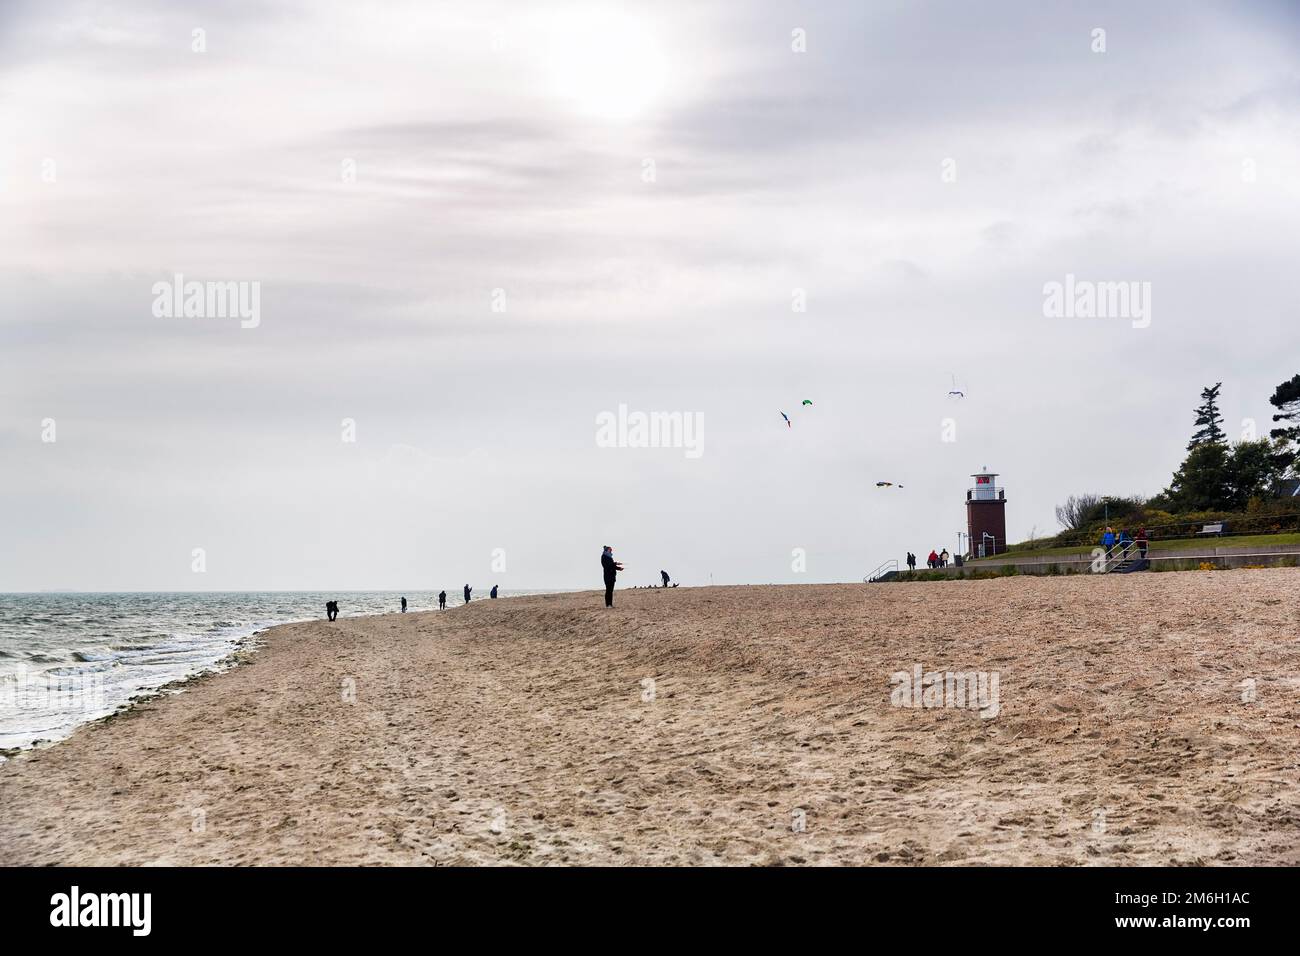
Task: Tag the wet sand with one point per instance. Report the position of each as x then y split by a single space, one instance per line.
738 725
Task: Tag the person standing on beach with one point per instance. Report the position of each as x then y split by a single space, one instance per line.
1108 540
493 593
468 591
664 575
403 605
610 567
1142 542
331 609
911 561
943 558
933 560
442 600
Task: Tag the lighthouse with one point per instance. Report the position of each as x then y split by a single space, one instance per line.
986 519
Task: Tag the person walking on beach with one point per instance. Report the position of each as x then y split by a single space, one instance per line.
493 593
943 558
442 600
664 575
1142 542
331 609
468 591
933 560
911 561
610 567
1108 540
403 605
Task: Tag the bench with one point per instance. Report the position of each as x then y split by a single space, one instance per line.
1216 528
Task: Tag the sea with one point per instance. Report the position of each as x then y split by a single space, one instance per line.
68 658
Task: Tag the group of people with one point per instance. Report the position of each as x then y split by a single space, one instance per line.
609 569
332 607
1110 540
937 559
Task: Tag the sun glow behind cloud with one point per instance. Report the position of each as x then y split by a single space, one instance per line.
605 64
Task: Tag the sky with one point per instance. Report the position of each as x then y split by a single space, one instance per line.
478 230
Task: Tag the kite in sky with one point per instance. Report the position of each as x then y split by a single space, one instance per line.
955 390
807 401
886 484
787 419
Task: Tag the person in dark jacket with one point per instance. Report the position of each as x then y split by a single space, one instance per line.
468 591
493 593
403 605
1142 541
610 567
911 561
331 609
664 575
442 600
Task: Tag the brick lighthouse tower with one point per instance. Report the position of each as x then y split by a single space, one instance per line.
986 519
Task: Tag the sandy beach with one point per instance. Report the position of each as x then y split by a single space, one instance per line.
1141 719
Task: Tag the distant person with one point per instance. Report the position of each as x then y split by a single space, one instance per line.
468 591
943 558
332 609
911 561
493 593
1124 540
610 567
664 575
933 560
442 600
1142 542
403 605
1108 540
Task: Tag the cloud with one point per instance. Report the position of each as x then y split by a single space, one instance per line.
778 177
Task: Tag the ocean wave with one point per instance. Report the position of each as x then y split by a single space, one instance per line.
133 644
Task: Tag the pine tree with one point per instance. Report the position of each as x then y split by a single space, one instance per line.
1286 399
1203 482
1209 423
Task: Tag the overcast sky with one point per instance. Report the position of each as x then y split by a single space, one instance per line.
648 185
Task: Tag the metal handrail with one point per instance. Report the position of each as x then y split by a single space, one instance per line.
1238 526
890 565
1118 555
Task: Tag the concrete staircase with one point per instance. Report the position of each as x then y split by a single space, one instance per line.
1129 565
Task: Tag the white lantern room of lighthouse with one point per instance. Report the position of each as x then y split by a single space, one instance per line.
985 486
